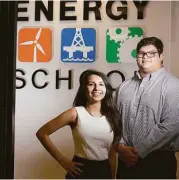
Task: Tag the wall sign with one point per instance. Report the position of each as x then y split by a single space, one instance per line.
48 11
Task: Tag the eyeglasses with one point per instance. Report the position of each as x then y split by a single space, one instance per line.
149 54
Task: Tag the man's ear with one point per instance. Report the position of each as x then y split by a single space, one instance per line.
161 57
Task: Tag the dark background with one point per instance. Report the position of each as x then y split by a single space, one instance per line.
8 30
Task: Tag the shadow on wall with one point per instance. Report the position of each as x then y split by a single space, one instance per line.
36 163
41 166
47 167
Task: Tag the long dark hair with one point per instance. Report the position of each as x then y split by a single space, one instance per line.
108 105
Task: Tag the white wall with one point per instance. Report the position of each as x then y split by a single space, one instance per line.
35 107
175 38
175 47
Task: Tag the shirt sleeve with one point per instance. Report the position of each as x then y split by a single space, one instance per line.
165 131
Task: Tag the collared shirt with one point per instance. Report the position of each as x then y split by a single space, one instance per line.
149 110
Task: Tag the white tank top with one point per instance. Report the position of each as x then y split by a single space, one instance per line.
92 136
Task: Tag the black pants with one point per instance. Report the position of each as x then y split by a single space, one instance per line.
157 165
92 169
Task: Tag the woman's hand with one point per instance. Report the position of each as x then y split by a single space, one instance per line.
73 168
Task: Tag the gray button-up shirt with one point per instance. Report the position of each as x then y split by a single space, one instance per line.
149 110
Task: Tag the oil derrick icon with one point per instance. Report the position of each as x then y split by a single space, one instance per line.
78 44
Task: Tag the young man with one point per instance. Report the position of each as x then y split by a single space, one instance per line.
149 107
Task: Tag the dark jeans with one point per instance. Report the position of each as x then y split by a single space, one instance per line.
92 169
157 165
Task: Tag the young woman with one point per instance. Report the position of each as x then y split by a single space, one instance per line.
94 122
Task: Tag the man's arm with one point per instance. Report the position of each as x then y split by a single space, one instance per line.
166 130
127 154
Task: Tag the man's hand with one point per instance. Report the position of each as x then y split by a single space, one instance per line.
127 154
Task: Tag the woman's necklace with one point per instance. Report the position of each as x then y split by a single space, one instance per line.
93 114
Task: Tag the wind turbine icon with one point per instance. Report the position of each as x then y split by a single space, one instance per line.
36 45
